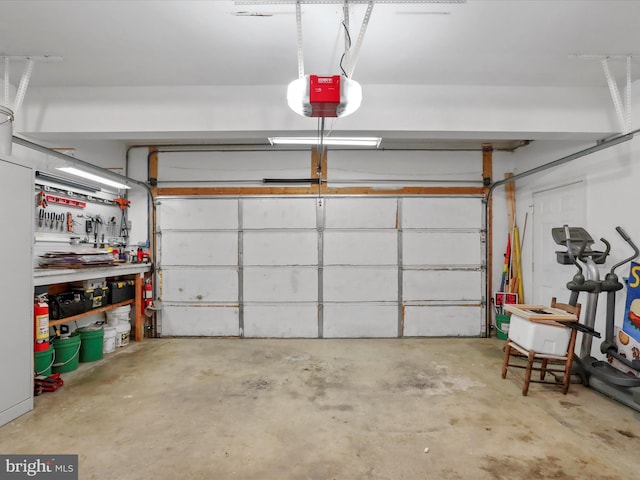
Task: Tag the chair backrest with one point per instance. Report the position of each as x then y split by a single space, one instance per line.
567 308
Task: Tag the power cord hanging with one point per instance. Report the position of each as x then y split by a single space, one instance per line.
346 50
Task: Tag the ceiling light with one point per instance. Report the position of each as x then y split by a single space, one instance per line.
91 176
66 182
336 141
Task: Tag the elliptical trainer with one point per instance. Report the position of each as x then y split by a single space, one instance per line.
598 374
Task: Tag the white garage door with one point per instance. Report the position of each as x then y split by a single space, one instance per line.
321 267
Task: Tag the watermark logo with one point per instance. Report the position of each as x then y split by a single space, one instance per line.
50 467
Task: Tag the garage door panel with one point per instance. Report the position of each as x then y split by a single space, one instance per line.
200 285
360 321
361 213
441 248
360 284
204 213
442 212
441 285
361 248
281 321
280 284
201 248
287 213
280 248
442 321
200 321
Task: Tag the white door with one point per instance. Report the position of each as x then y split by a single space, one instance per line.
554 208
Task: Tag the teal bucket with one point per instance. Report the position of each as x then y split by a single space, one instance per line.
502 326
67 351
91 344
43 361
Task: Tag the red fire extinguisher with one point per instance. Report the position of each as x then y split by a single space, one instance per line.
147 291
41 319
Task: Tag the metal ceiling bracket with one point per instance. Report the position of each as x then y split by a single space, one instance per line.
628 99
299 30
26 76
624 114
24 83
353 59
6 82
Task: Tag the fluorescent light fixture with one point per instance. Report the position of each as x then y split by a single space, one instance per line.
91 176
66 182
336 141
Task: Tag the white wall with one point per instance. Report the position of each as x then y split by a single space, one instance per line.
610 177
168 112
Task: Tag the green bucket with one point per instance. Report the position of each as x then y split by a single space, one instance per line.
67 350
502 326
44 361
91 346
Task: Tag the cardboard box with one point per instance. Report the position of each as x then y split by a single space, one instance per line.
631 322
629 348
90 284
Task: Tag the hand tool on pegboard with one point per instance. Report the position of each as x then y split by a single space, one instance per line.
123 203
42 199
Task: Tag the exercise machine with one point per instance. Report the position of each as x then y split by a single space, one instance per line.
598 374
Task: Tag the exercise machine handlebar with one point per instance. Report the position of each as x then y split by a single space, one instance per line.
627 239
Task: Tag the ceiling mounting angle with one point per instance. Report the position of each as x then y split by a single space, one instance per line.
35 58
600 56
26 75
340 2
623 112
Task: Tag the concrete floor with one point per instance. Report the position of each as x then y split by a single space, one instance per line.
323 409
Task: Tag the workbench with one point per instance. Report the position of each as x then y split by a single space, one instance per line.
53 277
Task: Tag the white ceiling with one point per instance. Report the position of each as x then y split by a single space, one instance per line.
480 42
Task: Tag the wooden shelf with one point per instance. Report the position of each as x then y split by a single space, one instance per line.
138 271
106 308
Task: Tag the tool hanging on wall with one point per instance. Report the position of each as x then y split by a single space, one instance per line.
124 228
42 199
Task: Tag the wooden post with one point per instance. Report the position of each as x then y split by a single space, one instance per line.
139 317
487 175
319 167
